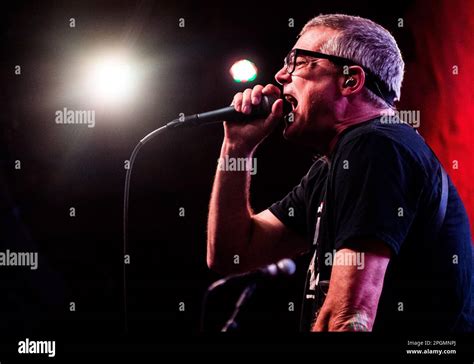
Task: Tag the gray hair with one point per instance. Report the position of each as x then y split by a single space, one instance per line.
367 44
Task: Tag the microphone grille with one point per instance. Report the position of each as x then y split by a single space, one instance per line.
286 266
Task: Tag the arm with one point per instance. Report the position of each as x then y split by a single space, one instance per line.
353 296
233 228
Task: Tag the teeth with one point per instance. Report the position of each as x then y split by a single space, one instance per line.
292 101
290 117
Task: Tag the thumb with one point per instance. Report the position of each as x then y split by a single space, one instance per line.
276 114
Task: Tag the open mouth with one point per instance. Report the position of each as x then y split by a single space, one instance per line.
294 104
292 101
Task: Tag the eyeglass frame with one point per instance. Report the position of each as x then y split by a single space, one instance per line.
373 82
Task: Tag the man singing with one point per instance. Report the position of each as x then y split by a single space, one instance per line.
386 229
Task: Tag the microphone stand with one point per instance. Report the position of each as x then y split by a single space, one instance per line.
252 279
232 323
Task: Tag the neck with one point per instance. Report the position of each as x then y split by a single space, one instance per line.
356 118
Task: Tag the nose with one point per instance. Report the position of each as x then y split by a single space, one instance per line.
282 76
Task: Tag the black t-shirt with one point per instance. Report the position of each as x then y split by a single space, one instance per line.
382 181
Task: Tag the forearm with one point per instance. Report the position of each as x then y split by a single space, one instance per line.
353 296
230 222
352 320
230 214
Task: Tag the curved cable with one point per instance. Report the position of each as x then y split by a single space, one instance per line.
126 199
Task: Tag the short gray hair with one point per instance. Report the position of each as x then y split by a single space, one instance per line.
367 44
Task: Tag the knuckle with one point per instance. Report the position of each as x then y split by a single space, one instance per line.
268 88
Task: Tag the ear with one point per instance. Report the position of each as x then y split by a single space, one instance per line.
352 81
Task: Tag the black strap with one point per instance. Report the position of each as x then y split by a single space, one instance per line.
443 202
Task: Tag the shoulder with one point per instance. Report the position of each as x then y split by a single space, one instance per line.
319 168
388 143
316 174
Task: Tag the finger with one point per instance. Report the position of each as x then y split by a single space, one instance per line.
271 90
276 114
277 109
246 101
257 94
237 101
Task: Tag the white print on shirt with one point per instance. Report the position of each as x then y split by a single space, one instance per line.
313 280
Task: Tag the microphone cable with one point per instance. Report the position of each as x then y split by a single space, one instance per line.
126 202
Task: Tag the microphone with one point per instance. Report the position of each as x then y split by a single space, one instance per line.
229 113
284 267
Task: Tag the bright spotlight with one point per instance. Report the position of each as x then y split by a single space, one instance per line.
243 71
111 79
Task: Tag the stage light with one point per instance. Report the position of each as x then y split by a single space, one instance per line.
243 71
111 78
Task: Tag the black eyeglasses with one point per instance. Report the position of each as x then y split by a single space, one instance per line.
291 60
372 82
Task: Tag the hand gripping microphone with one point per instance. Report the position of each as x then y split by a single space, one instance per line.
229 113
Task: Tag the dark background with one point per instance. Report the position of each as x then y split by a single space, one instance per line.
67 166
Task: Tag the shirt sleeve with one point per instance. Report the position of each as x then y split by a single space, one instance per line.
291 210
375 188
